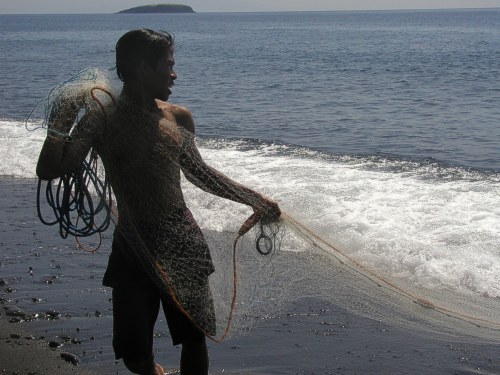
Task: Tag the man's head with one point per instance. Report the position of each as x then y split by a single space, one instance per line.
142 46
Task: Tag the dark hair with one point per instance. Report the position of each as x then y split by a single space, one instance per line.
140 45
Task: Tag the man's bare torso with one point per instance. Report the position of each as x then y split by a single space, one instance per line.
141 152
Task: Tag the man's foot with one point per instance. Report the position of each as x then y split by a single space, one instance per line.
147 367
159 370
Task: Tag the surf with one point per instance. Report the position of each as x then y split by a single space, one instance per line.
425 231
430 229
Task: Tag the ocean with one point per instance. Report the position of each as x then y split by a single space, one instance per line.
377 130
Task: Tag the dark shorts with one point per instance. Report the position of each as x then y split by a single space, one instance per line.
135 310
137 295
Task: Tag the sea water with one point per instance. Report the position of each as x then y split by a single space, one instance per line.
377 130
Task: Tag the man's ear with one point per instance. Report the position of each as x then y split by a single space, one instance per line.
142 68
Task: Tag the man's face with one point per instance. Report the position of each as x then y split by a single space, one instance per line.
161 77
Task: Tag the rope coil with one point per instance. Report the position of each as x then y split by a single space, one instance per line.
77 200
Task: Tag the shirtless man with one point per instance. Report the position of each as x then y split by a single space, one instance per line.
144 143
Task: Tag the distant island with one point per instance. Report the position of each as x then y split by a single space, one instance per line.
160 8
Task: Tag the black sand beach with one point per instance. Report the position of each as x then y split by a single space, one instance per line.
23 353
52 302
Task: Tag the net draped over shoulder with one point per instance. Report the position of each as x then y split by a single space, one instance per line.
140 154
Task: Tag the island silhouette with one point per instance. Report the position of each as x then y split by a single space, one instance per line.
160 8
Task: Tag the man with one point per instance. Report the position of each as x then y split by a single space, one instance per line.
144 143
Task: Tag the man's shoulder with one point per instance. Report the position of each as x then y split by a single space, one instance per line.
181 114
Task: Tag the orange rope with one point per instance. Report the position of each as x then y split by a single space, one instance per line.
96 99
247 225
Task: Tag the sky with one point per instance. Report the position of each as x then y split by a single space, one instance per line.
112 6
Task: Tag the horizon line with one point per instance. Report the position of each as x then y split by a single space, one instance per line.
279 11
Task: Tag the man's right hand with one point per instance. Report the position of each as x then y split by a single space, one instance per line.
268 210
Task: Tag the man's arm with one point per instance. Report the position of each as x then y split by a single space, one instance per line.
64 154
209 179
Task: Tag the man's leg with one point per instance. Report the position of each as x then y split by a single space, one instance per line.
194 354
194 358
135 310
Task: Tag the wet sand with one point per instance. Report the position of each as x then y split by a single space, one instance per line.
52 302
23 353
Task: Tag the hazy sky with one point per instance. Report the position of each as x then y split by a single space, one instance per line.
111 6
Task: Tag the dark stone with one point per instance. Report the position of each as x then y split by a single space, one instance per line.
54 344
71 358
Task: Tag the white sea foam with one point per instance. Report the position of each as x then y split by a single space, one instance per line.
428 231
20 148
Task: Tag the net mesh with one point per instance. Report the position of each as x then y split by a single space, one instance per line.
247 274
140 154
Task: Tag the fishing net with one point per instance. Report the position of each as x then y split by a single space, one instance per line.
130 179
79 202
228 280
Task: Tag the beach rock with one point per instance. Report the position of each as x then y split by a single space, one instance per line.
53 314
71 358
15 312
31 317
55 344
